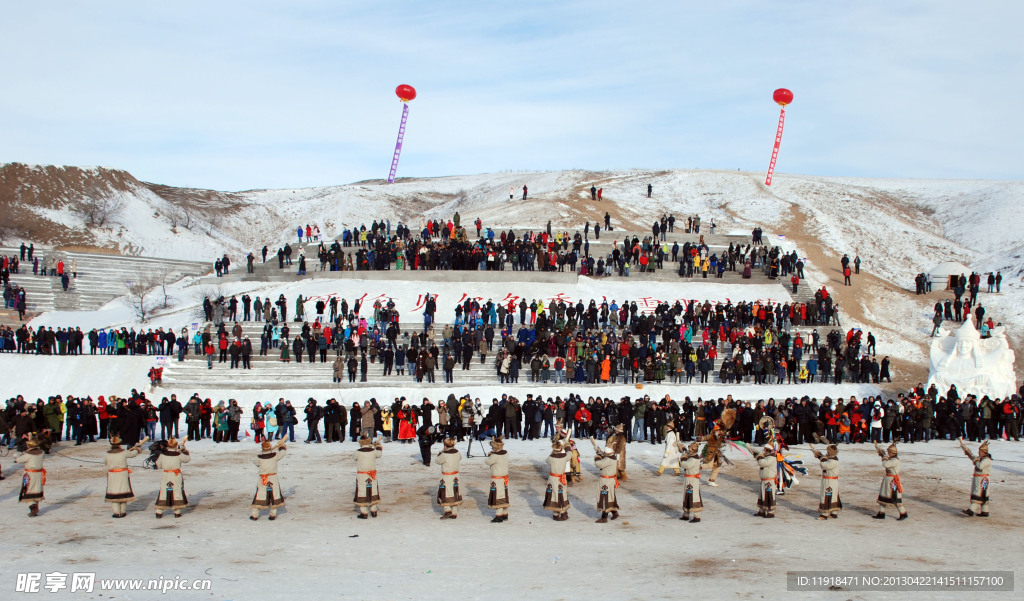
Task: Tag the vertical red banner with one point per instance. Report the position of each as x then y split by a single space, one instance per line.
775 151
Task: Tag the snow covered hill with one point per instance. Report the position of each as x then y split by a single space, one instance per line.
898 227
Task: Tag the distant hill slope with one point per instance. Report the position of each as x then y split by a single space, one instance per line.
898 227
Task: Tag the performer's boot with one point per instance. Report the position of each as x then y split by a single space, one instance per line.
159 513
497 520
273 515
362 513
694 519
769 515
902 517
373 511
564 516
455 513
879 516
968 512
983 514
177 514
676 470
712 483
661 470
834 516
33 510
603 519
615 515
686 517
447 515
822 516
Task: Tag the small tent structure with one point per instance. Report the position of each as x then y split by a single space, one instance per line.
945 271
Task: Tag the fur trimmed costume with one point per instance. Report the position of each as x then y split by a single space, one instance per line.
448 495
34 479
692 502
171 494
768 472
367 495
268 487
498 498
119 484
556 496
617 442
606 501
829 502
979 481
890 493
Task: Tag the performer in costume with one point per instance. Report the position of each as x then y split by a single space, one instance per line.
498 498
35 476
692 503
268 489
575 473
448 495
670 458
829 503
171 494
769 472
367 494
119 484
979 483
788 468
891 491
606 501
712 455
617 441
556 497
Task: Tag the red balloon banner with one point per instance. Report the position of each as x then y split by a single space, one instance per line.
782 97
406 93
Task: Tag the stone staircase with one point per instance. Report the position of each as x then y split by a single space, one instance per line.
101 278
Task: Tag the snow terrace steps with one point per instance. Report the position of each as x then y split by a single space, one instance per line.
101 278
599 248
276 375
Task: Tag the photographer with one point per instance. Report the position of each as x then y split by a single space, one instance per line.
427 436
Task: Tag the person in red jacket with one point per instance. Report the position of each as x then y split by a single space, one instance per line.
796 282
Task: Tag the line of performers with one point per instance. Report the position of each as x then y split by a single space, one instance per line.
563 469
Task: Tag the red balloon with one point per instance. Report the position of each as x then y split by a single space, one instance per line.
782 96
407 93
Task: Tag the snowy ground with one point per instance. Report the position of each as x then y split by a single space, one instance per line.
320 548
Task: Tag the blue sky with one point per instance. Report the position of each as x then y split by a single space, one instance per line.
237 95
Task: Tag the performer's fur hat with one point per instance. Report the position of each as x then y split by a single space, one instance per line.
609 452
266 446
498 443
767 450
670 423
556 445
115 442
693 448
832 451
365 441
983 449
33 441
727 419
172 444
891 450
449 443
